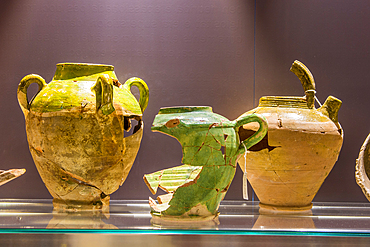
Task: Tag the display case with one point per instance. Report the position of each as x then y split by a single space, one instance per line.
223 54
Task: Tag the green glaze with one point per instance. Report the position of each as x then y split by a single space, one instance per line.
211 148
171 179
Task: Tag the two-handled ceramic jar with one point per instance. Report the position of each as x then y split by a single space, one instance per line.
76 128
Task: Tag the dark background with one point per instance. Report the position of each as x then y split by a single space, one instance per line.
226 54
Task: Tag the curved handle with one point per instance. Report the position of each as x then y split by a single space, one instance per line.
308 83
104 94
23 86
143 89
256 137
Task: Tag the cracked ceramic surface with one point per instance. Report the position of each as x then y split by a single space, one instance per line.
210 147
287 168
77 128
9 175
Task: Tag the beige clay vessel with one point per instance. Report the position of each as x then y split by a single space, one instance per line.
287 168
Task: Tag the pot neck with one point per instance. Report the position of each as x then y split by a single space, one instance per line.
285 102
66 71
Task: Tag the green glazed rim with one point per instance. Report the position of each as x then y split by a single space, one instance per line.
67 71
183 109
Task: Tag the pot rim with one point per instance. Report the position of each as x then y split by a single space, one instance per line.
70 70
184 109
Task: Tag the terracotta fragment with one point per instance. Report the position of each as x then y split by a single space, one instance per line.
210 147
302 144
77 129
9 175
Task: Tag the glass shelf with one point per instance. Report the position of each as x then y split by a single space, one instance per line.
236 218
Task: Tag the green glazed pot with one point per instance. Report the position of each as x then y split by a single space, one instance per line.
77 128
211 148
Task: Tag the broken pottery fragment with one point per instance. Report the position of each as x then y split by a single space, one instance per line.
302 144
362 172
77 129
211 147
9 175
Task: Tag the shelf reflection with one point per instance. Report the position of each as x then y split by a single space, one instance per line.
133 216
187 224
284 222
80 220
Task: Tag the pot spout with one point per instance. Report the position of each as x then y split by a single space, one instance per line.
331 107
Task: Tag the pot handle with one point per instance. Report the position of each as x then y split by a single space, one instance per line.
22 90
104 94
256 137
143 89
308 83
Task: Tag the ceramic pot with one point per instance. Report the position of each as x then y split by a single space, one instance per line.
211 147
302 144
362 172
77 129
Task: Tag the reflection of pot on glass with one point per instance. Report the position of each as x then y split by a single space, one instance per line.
211 147
76 128
282 222
9 175
79 220
287 168
162 223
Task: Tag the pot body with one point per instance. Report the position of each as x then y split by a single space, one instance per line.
287 168
76 127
